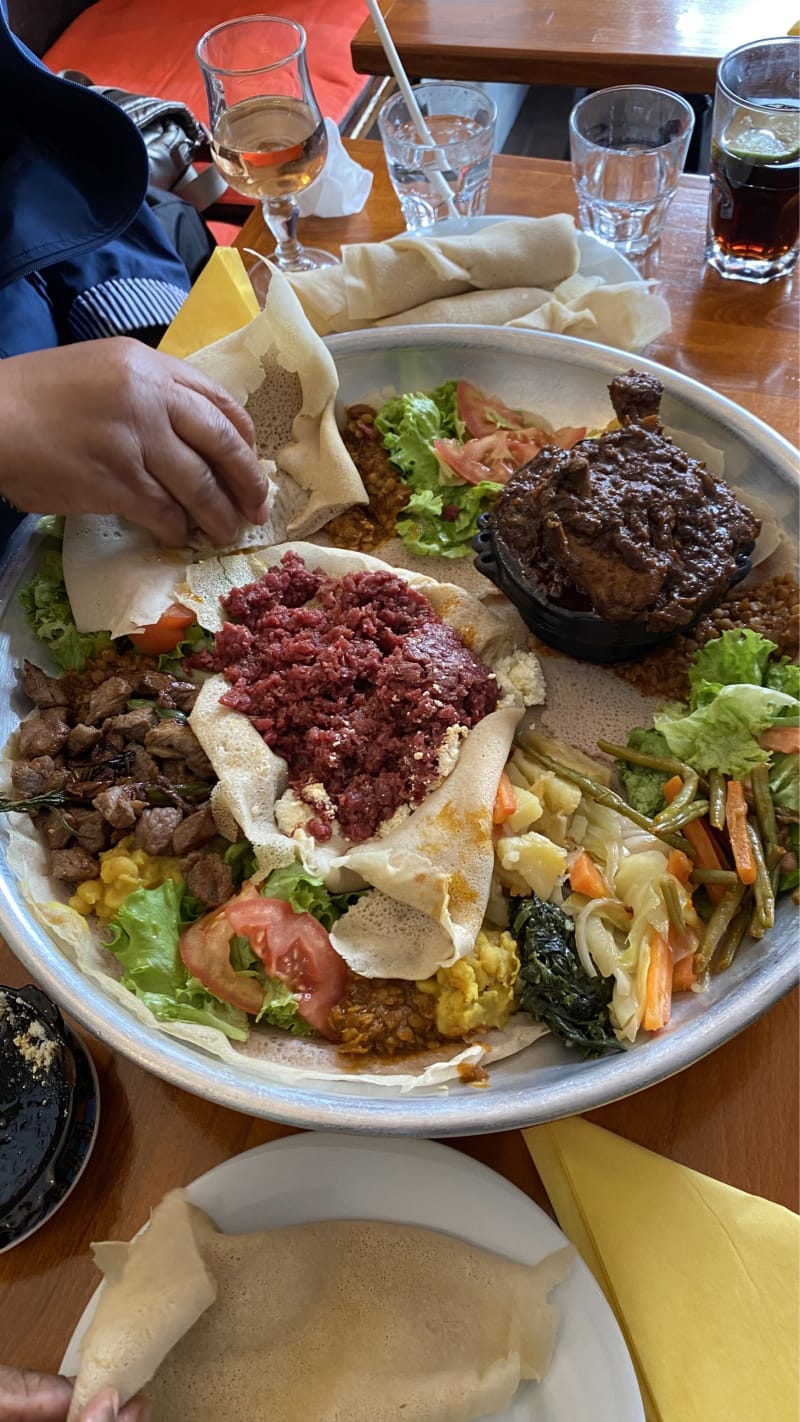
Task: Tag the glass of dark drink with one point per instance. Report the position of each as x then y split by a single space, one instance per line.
268 136
754 208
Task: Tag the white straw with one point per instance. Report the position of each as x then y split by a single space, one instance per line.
445 191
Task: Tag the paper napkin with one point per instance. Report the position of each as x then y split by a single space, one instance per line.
342 187
702 1277
220 302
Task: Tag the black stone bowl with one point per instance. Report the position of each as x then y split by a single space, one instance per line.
49 1110
578 632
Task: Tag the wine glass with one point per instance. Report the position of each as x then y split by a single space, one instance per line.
267 133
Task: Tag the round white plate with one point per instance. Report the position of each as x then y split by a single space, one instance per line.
595 258
332 1177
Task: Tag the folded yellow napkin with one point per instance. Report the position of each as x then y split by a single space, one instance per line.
221 301
702 1277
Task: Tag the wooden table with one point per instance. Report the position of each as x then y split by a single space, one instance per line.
675 44
733 1116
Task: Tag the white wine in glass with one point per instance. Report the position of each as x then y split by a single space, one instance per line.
268 136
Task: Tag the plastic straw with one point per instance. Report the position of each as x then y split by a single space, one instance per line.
403 84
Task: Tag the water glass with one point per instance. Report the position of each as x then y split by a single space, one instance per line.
450 176
753 222
628 146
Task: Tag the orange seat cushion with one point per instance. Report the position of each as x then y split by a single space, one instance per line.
148 46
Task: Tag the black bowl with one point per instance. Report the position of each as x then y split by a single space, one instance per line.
575 631
48 1111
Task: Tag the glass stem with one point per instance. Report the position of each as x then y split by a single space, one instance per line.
280 216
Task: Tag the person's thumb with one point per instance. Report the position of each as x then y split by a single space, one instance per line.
103 1408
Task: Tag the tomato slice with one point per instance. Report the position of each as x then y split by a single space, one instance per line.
484 414
165 634
497 456
205 949
295 948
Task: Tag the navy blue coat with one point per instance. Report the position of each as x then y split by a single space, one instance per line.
81 256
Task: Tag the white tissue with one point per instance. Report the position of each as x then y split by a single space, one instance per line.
341 188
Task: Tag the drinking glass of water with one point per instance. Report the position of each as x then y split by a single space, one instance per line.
267 133
628 146
448 176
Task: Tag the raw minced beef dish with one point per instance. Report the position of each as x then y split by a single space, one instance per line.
356 682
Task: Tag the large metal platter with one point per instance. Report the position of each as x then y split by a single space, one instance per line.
566 381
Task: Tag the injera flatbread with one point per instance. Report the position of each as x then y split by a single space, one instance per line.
336 1321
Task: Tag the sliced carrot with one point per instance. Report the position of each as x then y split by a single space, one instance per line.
680 866
658 992
683 974
585 877
505 801
781 738
706 853
671 787
736 825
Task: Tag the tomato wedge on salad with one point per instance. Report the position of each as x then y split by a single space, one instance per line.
164 635
485 414
294 948
205 949
498 455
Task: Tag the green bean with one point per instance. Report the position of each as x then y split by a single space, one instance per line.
729 945
609 798
695 811
765 810
672 903
718 924
762 888
716 799
728 877
652 762
682 800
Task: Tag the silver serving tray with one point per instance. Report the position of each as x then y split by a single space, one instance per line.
565 380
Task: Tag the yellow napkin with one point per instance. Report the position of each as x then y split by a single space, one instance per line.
703 1278
221 301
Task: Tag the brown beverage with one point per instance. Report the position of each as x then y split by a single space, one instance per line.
754 172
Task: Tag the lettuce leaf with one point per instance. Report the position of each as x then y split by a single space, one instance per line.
279 1007
739 655
722 733
441 518
444 520
307 893
195 639
783 676
144 939
48 612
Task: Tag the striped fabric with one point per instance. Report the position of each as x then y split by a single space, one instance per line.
124 304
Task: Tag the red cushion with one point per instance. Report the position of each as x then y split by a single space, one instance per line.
147 46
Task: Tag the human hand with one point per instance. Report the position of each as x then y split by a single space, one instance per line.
40 1397
114 427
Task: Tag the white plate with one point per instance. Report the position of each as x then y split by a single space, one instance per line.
595 258
330 1177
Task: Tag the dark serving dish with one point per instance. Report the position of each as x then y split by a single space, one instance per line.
577 632
49 1111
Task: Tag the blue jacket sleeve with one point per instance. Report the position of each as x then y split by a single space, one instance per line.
136 281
